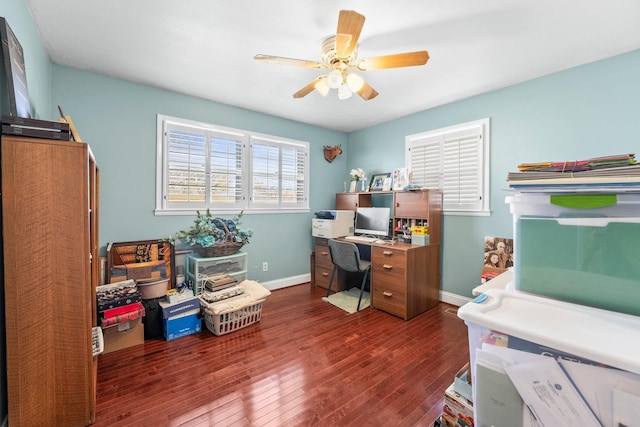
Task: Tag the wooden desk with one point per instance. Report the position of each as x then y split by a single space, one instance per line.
405 278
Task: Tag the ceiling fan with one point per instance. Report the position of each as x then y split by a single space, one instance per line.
339 55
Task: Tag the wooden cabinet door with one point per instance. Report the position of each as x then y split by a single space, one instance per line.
351 201
414 204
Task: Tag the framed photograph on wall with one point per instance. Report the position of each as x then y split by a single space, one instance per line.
377 181
14 72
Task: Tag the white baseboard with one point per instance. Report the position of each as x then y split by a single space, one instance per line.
453 299
288 281
447 297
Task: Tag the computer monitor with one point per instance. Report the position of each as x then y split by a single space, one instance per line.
373 221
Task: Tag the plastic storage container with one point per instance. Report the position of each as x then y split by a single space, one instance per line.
579 248
198 269
565 331
574 205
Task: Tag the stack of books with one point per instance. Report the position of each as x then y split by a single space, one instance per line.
221 287
21 126
621 172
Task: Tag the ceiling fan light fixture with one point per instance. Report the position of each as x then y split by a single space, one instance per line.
334 79
344 92
322 86
355 82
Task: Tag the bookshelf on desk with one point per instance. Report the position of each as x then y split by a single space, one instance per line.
405 278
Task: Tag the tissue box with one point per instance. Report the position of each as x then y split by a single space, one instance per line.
420 239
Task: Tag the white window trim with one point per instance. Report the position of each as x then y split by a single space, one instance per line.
162 166
484 184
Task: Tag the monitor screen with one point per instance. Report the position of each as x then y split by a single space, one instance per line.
373 221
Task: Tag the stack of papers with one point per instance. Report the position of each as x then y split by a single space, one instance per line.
521 389
611 171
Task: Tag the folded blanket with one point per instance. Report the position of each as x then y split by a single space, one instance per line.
255 289
253 292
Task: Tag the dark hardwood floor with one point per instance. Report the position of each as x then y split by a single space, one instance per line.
305 363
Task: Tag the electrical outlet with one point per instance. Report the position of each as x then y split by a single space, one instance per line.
265 266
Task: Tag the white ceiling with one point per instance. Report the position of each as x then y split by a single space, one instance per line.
205 48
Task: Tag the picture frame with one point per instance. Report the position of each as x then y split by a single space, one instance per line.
401 178
377 181
14 72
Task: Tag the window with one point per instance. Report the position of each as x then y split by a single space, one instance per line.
455 160
202 166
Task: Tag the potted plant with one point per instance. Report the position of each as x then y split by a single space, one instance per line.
213 236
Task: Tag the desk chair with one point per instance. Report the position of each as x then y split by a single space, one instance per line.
345 255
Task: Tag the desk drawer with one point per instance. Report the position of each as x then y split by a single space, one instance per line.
390 297
323 275
388 256
323 258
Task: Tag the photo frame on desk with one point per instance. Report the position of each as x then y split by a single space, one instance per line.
377 181
14 72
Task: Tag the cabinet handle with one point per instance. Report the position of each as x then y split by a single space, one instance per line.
323 253
387 294
387 266
388 253
397 205
325 274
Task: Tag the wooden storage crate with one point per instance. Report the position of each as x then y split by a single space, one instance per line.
139 260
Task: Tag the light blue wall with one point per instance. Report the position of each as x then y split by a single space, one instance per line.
118 119
588 111
36 59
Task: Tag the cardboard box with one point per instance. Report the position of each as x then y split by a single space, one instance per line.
173 295
462 382
123 335
179 308
180 326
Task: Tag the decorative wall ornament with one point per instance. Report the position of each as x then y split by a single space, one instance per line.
330 153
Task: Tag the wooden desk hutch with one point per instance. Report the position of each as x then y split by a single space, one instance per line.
405 278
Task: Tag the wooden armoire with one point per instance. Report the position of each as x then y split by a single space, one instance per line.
50 271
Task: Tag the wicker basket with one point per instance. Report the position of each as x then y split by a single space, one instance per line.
227 322
228 247
219 249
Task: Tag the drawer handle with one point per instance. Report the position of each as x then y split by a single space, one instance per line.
388 253
325 274
387 294
323 253
387 266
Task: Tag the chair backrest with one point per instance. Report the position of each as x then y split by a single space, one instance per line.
346 256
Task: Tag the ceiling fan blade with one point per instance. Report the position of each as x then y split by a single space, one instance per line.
308 88
367 92
288 61
408 59
350 23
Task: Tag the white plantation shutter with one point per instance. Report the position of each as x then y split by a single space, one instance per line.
187 166
455 160
225 171
202 166
279 174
